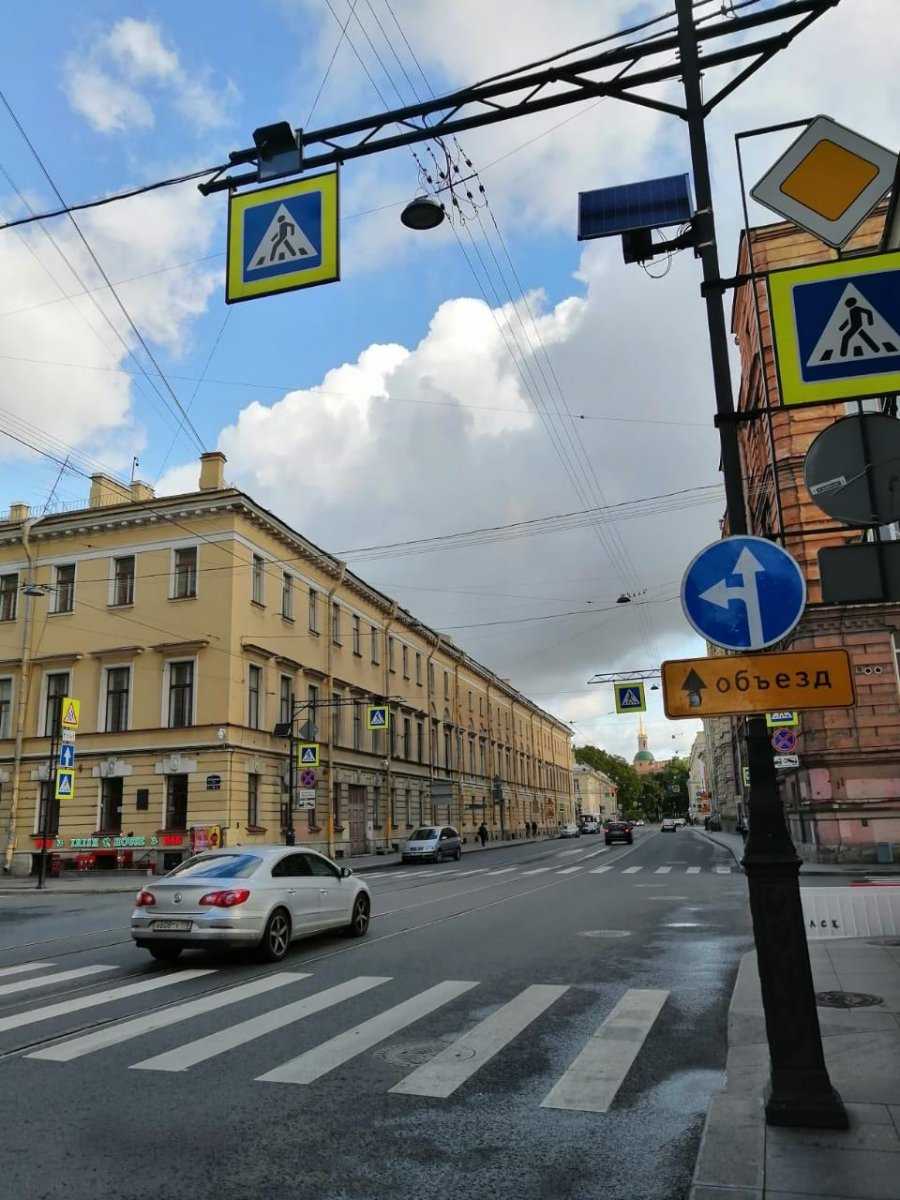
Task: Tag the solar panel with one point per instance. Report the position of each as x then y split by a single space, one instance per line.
650 204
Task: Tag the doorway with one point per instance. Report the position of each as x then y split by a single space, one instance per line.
111 805
357 804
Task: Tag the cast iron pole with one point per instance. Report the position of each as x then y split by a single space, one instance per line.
799 1091
51 796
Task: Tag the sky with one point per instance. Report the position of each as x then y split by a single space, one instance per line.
490 372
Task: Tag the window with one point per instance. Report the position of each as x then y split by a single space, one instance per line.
448 749
294 866
408 807
357 725
118 685
407 739
481 706
418 668
391 666
313 611
9 590
392 736
257 579
376 658
431 676
123 580
405 661
5 707
470 701
357 635
287 596
322 867
252 800
471 756
336 622
446 685
286 700
336 730
482 749
181 696
57 687
64 594
420 742
185 573
312 703
177 796
254 687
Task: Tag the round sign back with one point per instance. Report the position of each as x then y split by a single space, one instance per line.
852 470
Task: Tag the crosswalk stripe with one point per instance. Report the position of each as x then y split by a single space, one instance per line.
23 985
593 854
474 871
199 1051
722 870
632 870
662 870
693 870
111 1035
569 870
566 853
110 996
23 967
592 1081
503 871
537 870
599 870
334 1053
452 1067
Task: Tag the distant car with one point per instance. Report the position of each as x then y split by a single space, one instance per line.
260 896
618 831
679 821
590 825
669 825
432 842
569 830
639 822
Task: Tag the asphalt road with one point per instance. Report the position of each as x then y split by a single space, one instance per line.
548 1024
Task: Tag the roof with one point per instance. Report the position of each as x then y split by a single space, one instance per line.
644 756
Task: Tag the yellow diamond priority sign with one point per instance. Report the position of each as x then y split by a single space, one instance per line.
828 181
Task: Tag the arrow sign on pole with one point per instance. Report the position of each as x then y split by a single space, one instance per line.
720 594
694 686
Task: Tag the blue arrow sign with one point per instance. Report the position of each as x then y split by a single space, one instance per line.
743 593
67 755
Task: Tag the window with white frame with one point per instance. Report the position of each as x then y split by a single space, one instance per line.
391 666
418 668
405 661
118 689
287 596
5 707
64 588
181 695
123 580
57 688
446 685
313 611
254 693
184 584
9 591
336 622
376 656
257 572
357 634
357 725
252 800
337 731
286 700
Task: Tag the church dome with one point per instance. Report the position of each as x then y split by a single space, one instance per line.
644 756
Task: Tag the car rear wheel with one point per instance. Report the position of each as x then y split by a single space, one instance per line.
458 854
277 937
359 922
164 953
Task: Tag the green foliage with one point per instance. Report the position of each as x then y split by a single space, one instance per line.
618 770
662 794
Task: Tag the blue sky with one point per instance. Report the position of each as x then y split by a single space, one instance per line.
320 399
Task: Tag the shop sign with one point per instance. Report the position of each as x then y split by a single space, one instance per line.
206 837
106 843
171 839
213 783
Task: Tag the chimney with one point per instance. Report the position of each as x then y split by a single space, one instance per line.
212 471
18 511
141 491
105 490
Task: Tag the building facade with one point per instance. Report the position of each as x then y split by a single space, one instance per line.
698 781
596 795
843 802
188 627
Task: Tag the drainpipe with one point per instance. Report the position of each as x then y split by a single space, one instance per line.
21 703
329 654
385 658
429 699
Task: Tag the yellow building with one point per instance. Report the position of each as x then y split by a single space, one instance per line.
596 795
188 626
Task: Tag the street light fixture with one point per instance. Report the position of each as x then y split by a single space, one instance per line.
423 212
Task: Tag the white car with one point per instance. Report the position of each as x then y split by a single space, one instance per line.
570 830
259 897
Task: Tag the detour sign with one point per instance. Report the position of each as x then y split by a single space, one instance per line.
740 684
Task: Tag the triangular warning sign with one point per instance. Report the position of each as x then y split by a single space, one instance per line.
308 754
856 332
70 716
377 716
64 785
630 698
283 242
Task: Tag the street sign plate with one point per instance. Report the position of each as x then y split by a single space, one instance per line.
782 720
308 754
65 784
740 684
786 762
828 181
67 755
71 712
306 793
377 717
282 238
304 803
630 697
745 776
743 593
836 329
784 741
67 736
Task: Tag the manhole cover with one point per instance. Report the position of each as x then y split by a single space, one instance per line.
414 1054
847 999
605 933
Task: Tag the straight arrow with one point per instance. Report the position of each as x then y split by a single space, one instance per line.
694 686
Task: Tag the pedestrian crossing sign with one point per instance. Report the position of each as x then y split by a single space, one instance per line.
71 712
282 237
377 717
65 784
630 697
837 329
308 754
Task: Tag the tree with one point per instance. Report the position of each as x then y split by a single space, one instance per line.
618 770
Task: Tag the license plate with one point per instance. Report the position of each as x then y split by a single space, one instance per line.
172 926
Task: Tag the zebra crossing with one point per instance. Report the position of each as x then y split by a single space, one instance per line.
557 869
588 1082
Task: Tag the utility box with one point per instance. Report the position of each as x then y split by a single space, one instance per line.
885 852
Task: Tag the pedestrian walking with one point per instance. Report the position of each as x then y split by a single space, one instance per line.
482 833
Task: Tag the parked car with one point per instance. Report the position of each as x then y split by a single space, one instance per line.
590 825
679 821
669 825
618 831
432 842
569 831
260 896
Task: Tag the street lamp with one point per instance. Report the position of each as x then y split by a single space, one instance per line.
423 212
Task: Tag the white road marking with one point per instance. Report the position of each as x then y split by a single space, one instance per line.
334 1053
594 853
632 870
662 870
565 853
599 870
592 1081
722 870
569 870
502 871
452 1067
537 870
192 1053
474 871
111 1035
20 970
693 870
110 996
22 985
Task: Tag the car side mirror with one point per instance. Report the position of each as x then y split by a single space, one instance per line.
346 872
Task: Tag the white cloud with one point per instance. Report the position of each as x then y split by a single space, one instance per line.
100 83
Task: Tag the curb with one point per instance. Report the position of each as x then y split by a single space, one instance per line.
722 845
390 866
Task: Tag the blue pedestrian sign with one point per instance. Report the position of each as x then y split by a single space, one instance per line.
282 238
743 593
630 697
67 755
837 329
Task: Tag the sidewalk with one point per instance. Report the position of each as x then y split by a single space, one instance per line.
741 1158
734 843
90 883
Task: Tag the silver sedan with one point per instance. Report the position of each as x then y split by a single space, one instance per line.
253 896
